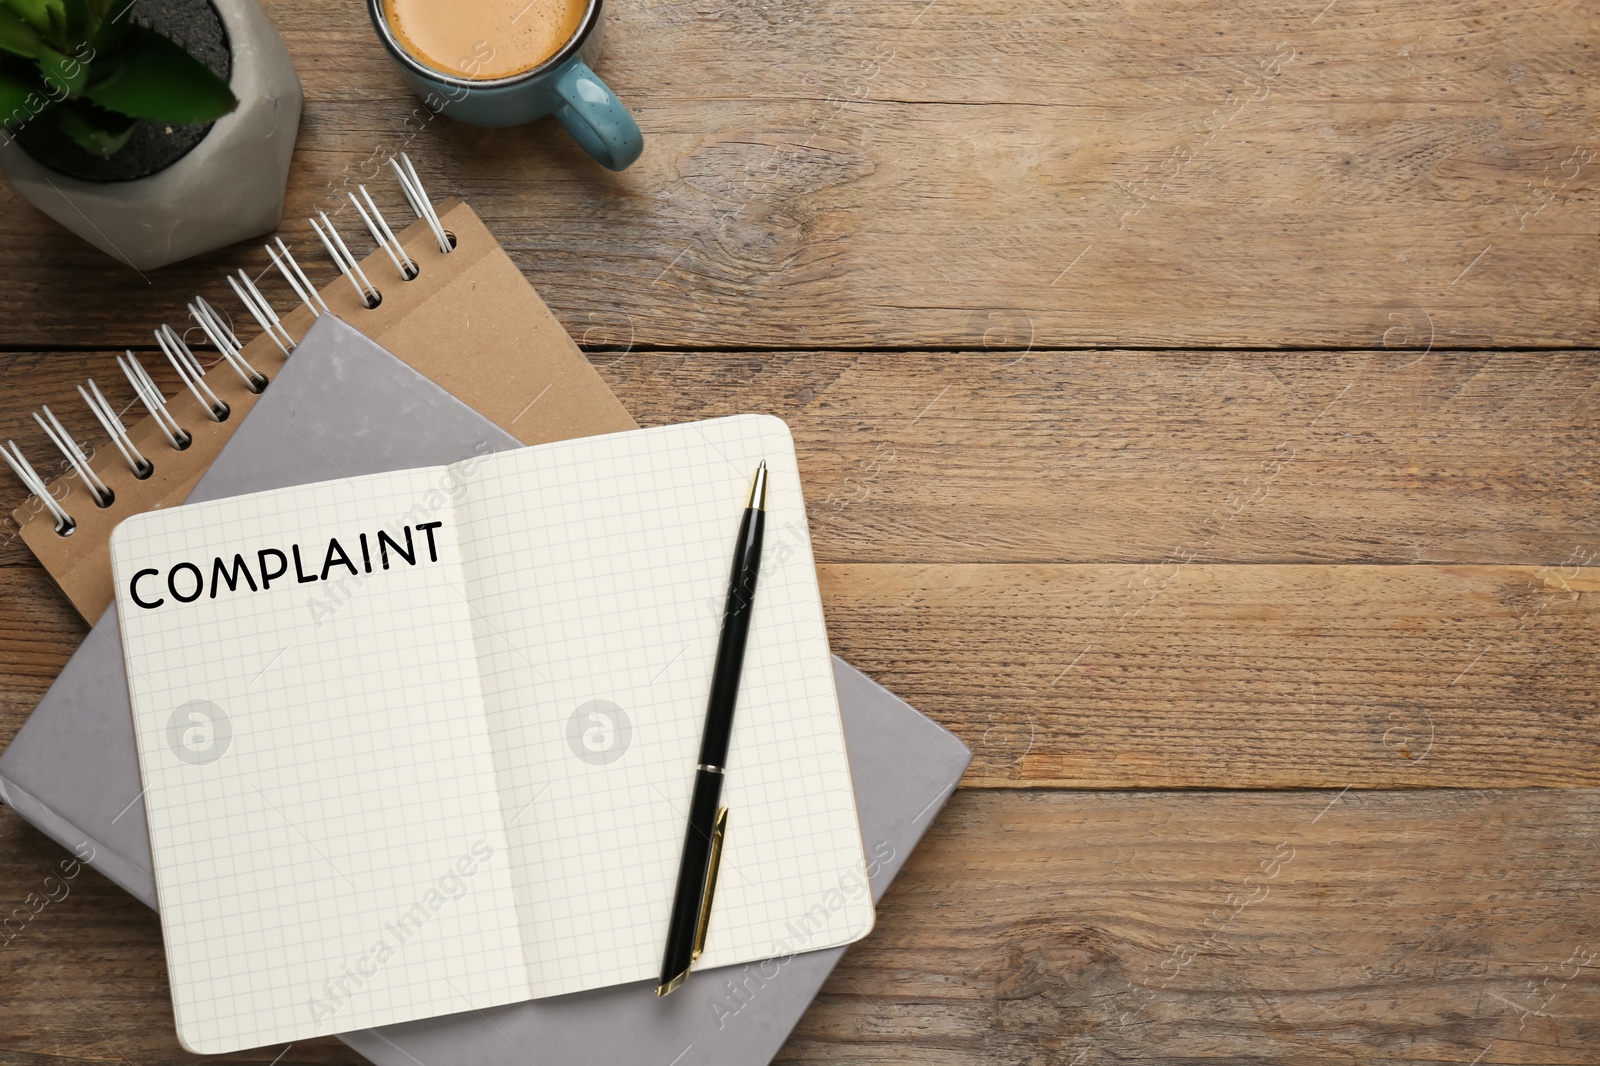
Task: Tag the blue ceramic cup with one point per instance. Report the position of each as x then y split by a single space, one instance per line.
562 85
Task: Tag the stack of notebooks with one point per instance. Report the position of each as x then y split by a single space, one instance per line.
414 707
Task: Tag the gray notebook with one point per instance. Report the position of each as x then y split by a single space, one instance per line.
344 406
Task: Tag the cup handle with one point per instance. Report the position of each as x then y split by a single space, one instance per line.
595 117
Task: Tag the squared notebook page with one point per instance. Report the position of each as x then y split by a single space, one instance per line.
494 744
320 787
599 570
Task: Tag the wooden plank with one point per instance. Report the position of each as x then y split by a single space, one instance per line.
1226 676
913 174
1380 928
1431 926
1203 676
1471 457
1135 457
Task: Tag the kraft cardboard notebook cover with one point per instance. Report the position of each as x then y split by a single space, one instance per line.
468 320
82 729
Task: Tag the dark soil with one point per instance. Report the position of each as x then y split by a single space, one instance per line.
154 146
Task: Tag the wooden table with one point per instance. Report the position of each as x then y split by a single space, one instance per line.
1197 404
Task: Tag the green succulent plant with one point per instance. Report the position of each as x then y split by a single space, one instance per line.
85 66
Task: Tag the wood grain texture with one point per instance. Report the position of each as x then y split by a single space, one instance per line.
1213 676
960 457
934 174
1181 676
1140 457
1380 928
1047 928
1354 555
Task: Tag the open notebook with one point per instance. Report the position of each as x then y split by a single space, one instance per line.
460 781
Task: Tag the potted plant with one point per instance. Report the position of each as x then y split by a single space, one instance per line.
154 129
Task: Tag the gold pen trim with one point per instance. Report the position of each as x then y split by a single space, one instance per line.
758 489
718 828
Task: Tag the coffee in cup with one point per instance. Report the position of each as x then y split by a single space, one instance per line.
482 40
506 62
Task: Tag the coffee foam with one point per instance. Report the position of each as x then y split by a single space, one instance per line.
483 39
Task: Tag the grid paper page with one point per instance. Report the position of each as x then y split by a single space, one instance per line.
599 570
324 817
385 792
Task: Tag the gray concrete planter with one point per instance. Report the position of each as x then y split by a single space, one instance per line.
228 188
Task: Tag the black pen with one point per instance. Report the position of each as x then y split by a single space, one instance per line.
702 842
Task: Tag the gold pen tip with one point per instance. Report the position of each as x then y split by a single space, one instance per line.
664 989
758 489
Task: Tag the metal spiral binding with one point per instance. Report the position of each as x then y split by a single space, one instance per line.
107 417
219 332
262 311
340 252
378 226
417 197
103 496
223 340
153 401
192 373
29 477
285 262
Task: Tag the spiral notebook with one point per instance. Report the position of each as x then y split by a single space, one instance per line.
442 296
71 771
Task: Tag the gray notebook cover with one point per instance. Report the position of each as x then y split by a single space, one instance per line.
344 406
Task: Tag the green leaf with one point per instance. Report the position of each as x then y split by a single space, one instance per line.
108 29
97 133
14 93
58 24
63 75
117 9
157 80
17 36
75 15
35 13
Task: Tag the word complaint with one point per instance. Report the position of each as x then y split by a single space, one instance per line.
186 582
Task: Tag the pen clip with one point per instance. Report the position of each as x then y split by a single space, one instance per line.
718 828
